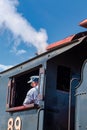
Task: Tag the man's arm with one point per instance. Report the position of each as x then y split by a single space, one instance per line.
28 98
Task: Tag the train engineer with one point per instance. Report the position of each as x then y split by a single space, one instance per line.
32 94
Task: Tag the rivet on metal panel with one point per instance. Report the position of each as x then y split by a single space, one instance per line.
79 126
48 55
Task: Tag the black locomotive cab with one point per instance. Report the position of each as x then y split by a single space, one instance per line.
59 71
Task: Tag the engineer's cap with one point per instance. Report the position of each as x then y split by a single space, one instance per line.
33 79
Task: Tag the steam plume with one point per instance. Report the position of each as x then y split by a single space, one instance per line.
20 27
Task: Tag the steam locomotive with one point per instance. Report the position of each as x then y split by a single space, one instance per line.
63 87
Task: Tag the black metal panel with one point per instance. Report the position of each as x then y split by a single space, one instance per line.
81 101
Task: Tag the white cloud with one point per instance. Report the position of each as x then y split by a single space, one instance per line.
4 67
20 27
18 52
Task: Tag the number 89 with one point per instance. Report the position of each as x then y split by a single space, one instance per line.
14 124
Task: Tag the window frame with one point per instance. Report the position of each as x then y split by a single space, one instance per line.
61 86
10 93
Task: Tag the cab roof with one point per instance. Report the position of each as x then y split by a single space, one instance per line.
66 40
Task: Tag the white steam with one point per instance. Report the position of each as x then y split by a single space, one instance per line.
20 27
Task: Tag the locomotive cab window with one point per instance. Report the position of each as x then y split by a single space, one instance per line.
18 87
63 78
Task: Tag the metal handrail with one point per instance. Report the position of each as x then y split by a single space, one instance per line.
39 110
69 114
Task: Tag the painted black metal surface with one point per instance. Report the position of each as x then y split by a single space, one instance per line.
55 114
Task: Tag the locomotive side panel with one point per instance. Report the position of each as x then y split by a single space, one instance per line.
81 101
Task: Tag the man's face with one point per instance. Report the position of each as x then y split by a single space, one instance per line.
34 84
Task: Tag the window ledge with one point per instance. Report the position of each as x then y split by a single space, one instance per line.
22 108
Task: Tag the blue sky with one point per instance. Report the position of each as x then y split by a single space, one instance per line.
28 26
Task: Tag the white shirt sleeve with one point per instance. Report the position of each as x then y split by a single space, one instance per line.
31 97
